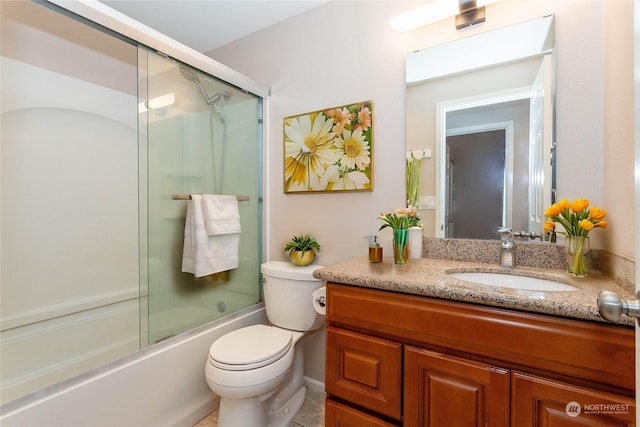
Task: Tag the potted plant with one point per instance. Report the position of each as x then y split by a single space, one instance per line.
302 249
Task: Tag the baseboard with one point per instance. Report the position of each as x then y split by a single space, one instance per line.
194 415
314 384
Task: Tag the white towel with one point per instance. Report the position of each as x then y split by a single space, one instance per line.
203 254
221 214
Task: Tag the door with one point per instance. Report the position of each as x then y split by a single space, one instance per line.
442 390
450 172
365 370
476 190
539 402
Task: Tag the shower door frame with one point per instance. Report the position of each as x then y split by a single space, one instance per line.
105 16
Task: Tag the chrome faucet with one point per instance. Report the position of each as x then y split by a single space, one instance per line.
507 257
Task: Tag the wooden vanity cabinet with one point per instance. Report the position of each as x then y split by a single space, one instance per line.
403 360
552 403
443 390
366 370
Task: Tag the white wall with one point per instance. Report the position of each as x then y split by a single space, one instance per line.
619 127
345 51
339 53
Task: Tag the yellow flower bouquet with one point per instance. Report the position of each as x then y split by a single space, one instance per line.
577 219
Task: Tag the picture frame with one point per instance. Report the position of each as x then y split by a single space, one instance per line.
329 150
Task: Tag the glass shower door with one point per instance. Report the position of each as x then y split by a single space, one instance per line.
197 135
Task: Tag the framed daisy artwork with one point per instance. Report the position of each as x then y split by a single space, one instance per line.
329 150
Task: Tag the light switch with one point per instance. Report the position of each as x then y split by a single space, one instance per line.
419 154
427 202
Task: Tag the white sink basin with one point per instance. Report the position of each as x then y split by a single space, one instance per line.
513 281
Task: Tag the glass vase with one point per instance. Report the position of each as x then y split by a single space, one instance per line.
577 248
400 246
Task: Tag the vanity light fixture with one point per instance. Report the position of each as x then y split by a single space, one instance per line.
467 12
470 14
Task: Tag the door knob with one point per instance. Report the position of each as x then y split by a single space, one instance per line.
611 307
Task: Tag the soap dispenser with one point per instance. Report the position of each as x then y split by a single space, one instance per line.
375 251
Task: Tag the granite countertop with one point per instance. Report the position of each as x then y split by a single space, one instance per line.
428 277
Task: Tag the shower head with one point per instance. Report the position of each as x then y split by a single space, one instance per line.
192 76
189 74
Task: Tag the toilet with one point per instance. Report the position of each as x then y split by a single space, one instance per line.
258 370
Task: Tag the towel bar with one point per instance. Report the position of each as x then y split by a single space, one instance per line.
188 197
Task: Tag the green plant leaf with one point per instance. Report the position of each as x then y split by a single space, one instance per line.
303 243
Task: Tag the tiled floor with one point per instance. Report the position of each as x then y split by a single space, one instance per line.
311 414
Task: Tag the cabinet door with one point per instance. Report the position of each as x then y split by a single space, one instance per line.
364 370
442 390
338 415
539 402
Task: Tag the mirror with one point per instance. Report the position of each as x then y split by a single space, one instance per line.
484 106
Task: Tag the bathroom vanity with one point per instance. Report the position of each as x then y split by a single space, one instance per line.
414 346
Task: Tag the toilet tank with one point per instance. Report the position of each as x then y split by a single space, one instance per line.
288 299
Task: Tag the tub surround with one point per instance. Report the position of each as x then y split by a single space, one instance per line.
428 277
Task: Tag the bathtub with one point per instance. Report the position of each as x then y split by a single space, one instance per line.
162 385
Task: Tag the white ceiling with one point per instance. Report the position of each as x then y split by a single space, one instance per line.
207 24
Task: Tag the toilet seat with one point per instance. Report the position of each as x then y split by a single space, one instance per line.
249 348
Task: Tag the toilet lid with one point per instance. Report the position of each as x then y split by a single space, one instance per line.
251 347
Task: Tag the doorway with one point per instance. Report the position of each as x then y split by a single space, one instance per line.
476 183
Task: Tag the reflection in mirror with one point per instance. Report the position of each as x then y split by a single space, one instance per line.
491 127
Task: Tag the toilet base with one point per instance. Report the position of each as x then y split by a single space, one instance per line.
242 412
285 415
251 412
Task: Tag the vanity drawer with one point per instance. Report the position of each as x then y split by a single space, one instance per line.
338 415
364 370
583 350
